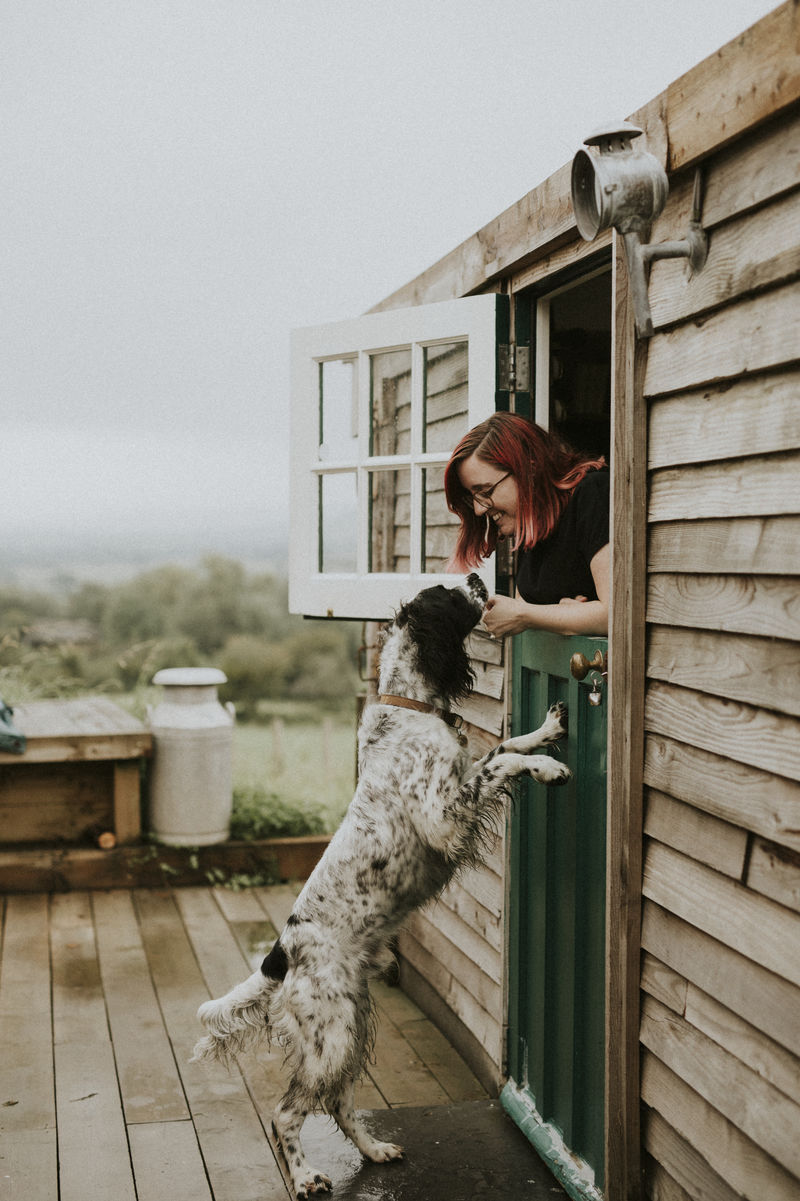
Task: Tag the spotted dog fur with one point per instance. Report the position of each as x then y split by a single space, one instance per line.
422 812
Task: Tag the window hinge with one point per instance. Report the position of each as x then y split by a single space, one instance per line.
514 367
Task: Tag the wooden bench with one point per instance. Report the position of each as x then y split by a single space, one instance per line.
79 775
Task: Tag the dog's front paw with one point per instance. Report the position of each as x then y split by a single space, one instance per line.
555 724
545 770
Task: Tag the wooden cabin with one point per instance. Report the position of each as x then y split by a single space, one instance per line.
626 968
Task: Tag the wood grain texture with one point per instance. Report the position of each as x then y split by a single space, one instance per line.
743 1165
752 416
752 925
744 83
774 871
772 1062
760 671
716 843
762 486
758 996
757 334
755 800
732 545
684 1163
758 251
626 739
743 604
758 1109
736 731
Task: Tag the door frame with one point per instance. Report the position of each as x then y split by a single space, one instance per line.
626 689
626 678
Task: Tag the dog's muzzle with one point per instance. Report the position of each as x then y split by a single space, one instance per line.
477 588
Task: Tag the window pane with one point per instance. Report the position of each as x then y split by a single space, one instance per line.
338 416
390 520
446 416
390 402
439 525
338 536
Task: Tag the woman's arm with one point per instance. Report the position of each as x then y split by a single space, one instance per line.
506 615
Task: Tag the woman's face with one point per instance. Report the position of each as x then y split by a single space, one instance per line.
493 490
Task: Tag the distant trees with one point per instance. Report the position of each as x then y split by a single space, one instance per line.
176 616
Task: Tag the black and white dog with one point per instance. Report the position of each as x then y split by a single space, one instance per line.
422 812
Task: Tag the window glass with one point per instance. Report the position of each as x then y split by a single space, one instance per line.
338 520
439 524
390 402
390 520
338 410
446 396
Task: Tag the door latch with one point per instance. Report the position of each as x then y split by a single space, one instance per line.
596 668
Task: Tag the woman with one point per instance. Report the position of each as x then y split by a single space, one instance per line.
508 478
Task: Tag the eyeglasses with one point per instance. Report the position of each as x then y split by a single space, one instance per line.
483 496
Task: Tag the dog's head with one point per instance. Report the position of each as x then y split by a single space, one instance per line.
436 623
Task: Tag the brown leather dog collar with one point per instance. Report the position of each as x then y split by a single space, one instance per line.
406 702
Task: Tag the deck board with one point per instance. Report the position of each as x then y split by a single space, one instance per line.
98 994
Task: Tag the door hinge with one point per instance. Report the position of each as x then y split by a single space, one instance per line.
514 367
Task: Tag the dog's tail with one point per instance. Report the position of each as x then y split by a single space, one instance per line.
237 1021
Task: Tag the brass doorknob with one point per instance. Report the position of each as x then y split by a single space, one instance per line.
580 666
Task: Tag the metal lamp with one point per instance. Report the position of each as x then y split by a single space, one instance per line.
622 186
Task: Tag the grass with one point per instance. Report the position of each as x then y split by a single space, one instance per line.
293 774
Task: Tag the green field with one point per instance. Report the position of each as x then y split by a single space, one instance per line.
307 763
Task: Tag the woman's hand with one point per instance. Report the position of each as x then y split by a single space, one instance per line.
506 615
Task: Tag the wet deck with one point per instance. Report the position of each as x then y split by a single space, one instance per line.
98 1100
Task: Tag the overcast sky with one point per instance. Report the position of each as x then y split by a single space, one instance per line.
184 181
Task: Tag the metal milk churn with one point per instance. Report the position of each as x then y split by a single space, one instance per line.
191 780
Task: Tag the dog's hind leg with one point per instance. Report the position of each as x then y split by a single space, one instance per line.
345 1115
287 1122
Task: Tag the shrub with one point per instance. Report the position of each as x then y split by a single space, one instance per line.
261 814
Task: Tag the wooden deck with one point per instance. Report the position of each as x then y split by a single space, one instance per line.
98 1102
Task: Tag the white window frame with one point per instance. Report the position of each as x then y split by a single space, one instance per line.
362 594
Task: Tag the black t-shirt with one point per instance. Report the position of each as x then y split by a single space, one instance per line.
558 566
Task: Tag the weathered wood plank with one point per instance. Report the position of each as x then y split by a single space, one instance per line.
743 1165
625 741
759 671
148 1078
484 886
458 936
735 546
754 1106
755 994
472 996
758 251
127 802
755 800
761 1054
744 83
30 1164
740 732
55 803
86 728
716 843
737 604
465 904
763 164
760 486
236 1152
658 1184
774 871
753 416
684 1163
91 1126
661 982
754 335
744 921
399 1072
168 1163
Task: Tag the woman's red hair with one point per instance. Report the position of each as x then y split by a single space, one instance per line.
545 471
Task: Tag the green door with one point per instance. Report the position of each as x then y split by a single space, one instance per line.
557 921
